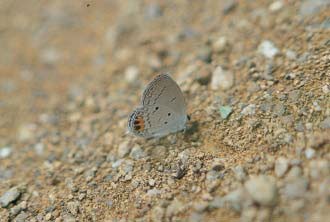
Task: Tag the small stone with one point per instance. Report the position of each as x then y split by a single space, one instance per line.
26 132
249 214
225 111
152 11
296 188
325 89
239 173
196 217
137 153
123 149
73 207
262 189
276 6
294 173
229 5
9 196
48 216
200 206
90 174
268 49
131 74
175 208
21 217
325 124
281 166
153 192
152 182
109 203
39 148
237 199
299 127
220 44
5 152
221 79
158 213
309 153
217 164
249 110
205 54
310 7
291 54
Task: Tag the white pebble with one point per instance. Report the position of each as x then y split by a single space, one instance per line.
276 6
131 74
309 153
221 79
268 49
5 152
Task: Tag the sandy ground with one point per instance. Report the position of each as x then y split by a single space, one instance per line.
256 79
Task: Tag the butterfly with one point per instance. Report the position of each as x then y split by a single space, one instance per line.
162 110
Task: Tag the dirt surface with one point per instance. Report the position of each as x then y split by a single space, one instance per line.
256 78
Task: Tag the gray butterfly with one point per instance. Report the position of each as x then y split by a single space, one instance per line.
162 110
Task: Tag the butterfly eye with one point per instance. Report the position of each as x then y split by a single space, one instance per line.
165 122
156 108
168 114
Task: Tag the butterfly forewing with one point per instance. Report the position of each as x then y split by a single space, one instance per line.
163 90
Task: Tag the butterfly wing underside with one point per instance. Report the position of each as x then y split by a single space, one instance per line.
162 109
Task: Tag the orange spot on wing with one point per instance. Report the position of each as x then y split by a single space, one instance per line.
139 123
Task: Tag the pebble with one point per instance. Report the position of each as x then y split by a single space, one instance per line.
268 49
26 132
281 166
131 74
201 206
220 45
237 199
309 153
262 189
225 111
5 152
39 148
249 110
137 153
153 192
229 6
123 149
157 213
21 217
239 173
291 54
174 208
205 54
296 188
294 173
217 164
15 210
9 196
310 7
73 207
325 124
276 6
153 11
325 89
222 79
